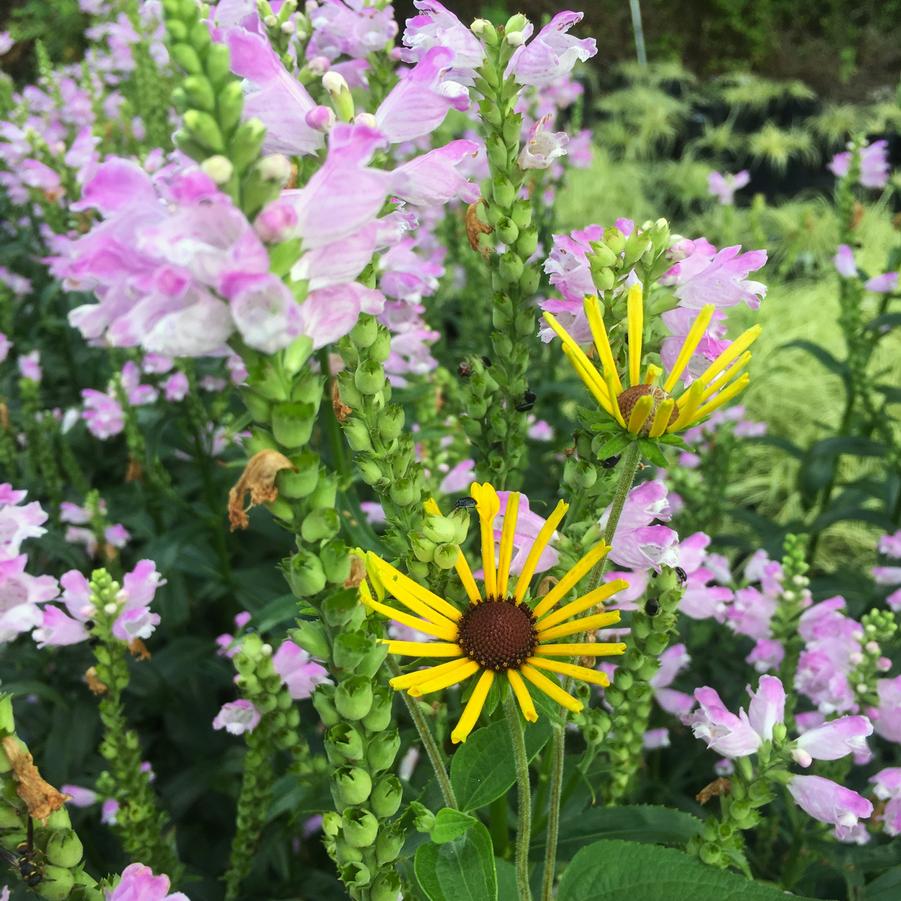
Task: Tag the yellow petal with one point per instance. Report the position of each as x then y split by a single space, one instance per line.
561 589
473 708
407 590
538 546
591 379
526 705
640 412
651 374
662 418
635 315
423 648
407 680
488 505
602 343
448 633
582 649
586 624
726 376
586 602
688 404
508 533
723 397
431 507
464 669
732 352
689 345
593 676
464 573
551 688
614 399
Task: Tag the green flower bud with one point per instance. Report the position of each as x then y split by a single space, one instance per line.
305 574
357 434
636 245
440 529
335 561
339 608
656 643
512 129
381 347
390 843
369 469
359 827
199 93
711 854
331 823
280 508
382 750
445 556
528 283
527 243
379 717
391 422
323 497
486 31
244 147
579 474
56 884
364 333
779 732
10 818
386 887
310 635
296 354
349 650
257 405
498 155
204 129
343 742
423 548
352 785
603 279
386 797
602 256
320 525
374 658
503 192
614 239
507 231
292 423
342 100
186 57
231 105
355 874
323 699
369 377
64 848
404 492
510 267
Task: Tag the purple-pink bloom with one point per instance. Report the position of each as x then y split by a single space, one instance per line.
20 594
176 387
18 522
57 629
437 26
767 707
887 716
636 543
541 146
844 262
723 187
102 414
887 283
829 802
300 673
890 545
874 164
672 661
138 883
237 717
833 740
767 654
434 178
79 796
30 366
459 478
724 732
552 53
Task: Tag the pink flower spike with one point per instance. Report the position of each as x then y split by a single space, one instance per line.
237 717
139 884
836 739
829 802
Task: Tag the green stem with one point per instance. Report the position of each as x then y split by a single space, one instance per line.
428 742
524 797
629 466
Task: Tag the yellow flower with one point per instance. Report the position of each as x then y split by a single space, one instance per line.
499 633
646 408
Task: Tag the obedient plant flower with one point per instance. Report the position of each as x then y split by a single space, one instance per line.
828 802
844 262
437 26
500 632
637 543
541 147
237 717
552 53
887 787
300 673
890 546
138 883
18 521
874 164
645 408
723 187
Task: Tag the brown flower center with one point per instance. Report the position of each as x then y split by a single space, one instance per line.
498 634
630 397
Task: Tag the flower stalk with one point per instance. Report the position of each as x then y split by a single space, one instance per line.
523 797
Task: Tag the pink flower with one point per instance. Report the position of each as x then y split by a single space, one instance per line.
540 430
541 147
724 732
351 28
57 629
723 187
767 654
636 543
767 706
138 883
109 811
829 802
655 738
102 414
887 283
20 594
176 387
701 599
751 613
552 53
78 796
833 740
136 393
874 165
5 345
460 478
672 661
887 716
30 366
139 622
844 262
437 26
434 178
18 523
237 717
890 545
373 511
300 673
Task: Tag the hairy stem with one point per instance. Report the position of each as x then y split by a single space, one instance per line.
524 798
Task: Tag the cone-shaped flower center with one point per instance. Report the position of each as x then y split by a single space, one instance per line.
628 398
498 634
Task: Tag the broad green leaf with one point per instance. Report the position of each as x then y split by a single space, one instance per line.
638 823
449 825
482 769
614 445
507 889
886 888
629 871
461 869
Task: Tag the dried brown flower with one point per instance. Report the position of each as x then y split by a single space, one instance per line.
40 797
257 480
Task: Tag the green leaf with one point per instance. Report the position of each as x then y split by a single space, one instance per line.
886 321
460 869
823 355
614 445
483 770
886 888
652 452
507 890
628 871
450 825
637 823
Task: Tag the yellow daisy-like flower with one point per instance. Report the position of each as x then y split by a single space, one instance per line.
645 407
499 633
